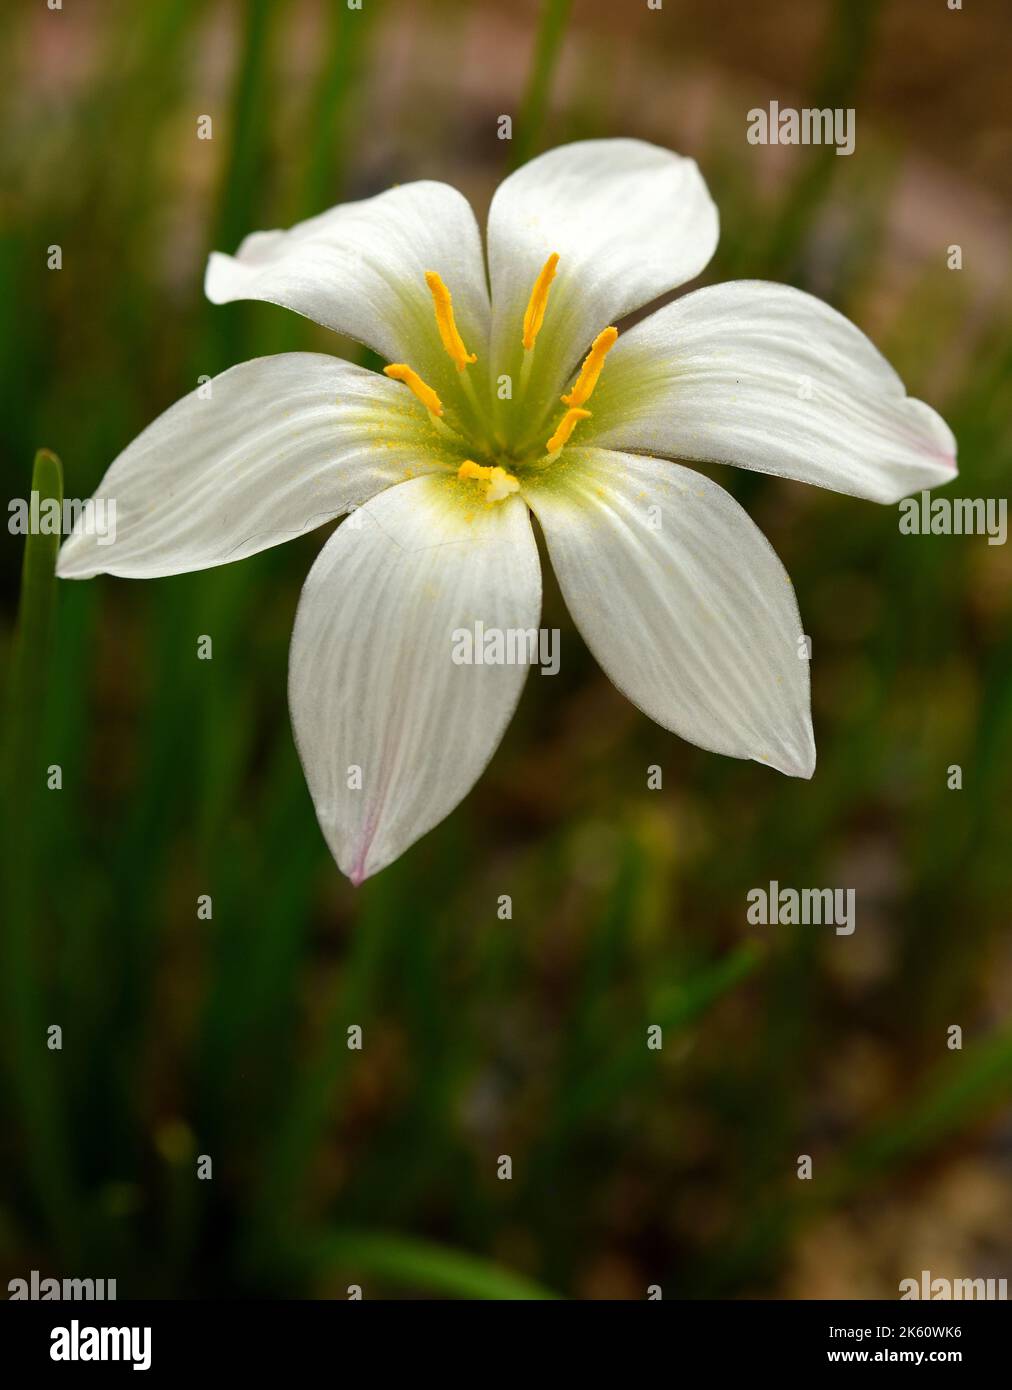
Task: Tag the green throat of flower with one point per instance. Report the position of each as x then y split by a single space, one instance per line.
471 425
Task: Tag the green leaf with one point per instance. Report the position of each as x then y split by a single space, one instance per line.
33 640
32 1078
547 47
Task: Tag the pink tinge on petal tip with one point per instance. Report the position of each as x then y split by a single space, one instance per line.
940 444
358 873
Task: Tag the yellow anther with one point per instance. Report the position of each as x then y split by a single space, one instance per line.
534 316
591 369
445 322
398 371
567 425
499 483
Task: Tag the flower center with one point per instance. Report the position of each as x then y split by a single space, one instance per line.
497 481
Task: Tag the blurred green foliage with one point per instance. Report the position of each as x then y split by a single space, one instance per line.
483 1037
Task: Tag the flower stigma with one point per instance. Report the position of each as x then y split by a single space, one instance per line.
498 483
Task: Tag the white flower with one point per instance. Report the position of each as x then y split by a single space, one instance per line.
495 406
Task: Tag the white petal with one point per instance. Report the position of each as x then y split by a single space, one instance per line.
281 445
769 378
372 680
360 269
683 602
629 221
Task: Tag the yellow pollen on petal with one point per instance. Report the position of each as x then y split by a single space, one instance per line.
399 371
498 483
443 304
591 369
534 315
567 425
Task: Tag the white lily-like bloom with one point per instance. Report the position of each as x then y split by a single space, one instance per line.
506 395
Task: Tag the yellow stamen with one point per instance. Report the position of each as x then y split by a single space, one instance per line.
591 369
398 371
534 316
567 425
499 483
445 322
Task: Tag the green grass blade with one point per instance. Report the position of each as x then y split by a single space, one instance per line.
968 1084
423 1265
241 187
331 114
844 64
33 642
603 1086
318 1088
964 1089
547 47
32 1068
